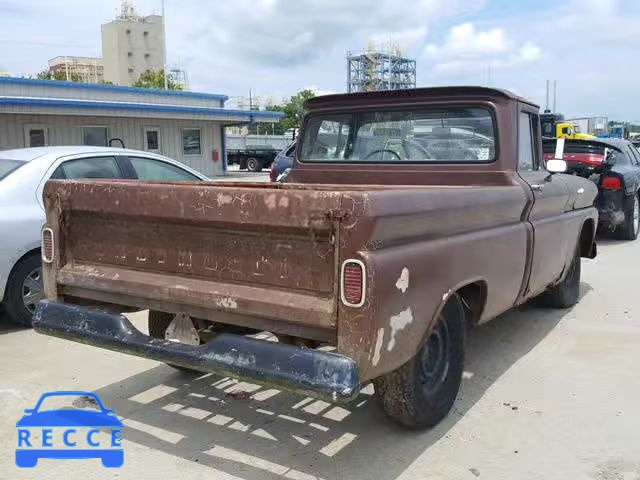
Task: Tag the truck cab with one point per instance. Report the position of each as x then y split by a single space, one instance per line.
570 130
553 125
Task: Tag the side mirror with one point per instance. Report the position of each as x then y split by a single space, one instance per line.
556 165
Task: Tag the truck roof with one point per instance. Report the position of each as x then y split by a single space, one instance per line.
409 94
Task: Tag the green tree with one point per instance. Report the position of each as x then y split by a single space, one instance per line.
58 75
293 112
155 79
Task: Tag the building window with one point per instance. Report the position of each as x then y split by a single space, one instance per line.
145 33
36 136
147 55
152 139
129 54
191 141
95 136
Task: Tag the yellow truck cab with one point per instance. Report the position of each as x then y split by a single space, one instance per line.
569 130
553 125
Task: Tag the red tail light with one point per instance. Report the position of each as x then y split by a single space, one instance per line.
47 245
611 183
353 282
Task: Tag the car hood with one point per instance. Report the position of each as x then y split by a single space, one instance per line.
69 418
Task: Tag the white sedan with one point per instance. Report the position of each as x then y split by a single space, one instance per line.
23 174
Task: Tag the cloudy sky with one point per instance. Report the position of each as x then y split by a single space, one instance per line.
277 47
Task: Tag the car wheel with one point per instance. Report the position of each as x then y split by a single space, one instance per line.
422 391
566 293
254 165
24 289
631 227
158 322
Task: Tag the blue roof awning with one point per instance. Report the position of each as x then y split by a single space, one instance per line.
64 103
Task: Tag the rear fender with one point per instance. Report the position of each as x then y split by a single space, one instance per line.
408 285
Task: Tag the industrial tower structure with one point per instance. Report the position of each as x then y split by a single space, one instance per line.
380 69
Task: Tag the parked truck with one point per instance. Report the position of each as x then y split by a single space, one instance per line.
253 158
381 246
555 126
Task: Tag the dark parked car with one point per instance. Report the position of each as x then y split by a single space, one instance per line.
614 165
282 162
254 158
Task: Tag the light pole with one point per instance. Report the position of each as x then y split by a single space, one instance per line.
164 46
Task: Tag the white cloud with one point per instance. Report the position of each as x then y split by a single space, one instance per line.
464 42
529 52
404 38
466 50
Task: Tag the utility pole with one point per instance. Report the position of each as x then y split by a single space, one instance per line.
554 96
546 105
164 47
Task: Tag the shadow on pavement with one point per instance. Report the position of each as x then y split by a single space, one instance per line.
7 326
256 432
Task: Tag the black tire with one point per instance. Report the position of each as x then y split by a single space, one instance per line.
566 293
254 164
28 268
422 391
158 322
630 228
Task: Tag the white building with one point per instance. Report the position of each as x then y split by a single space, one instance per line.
186 126
131 45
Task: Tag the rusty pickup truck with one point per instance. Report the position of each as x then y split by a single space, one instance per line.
407 216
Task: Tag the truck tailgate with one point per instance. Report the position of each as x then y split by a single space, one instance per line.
247 249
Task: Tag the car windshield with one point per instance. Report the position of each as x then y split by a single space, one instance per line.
8 166
434 135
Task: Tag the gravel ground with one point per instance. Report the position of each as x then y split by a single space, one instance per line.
547 395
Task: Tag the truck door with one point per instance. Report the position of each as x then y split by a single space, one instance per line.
548 198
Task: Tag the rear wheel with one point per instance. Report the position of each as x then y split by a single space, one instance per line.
254 164
24 289
422 391
566 293
631 227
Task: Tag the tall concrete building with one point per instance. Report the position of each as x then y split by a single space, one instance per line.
131 45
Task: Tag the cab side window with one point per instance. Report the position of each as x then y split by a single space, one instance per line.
526 150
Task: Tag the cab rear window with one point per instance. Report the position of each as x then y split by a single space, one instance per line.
426 135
